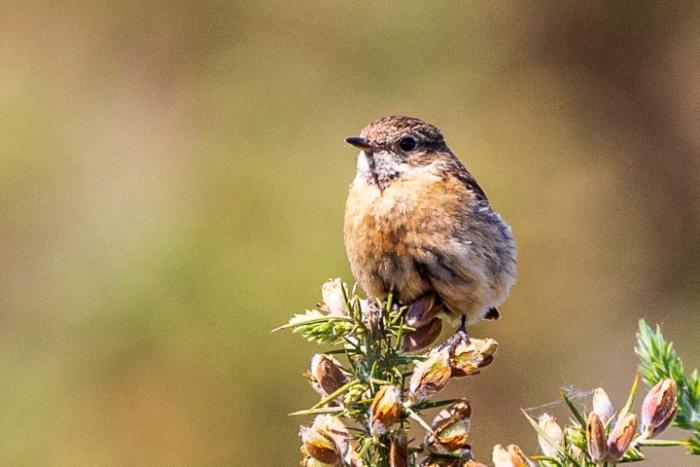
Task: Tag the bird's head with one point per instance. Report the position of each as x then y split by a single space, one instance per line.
393 147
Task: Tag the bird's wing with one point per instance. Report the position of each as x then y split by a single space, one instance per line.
465 177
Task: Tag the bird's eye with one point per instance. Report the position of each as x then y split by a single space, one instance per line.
407 143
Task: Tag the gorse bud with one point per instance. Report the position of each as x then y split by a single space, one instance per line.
500 456
512 456
518 457
385 409
595 438
326 441
309 461
575 438
450 430
621 436
319 447
659 408
354 394
326 374
553 431
431 375
602 405
334 298
435 461
468 355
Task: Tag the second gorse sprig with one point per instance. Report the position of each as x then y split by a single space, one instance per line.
605 436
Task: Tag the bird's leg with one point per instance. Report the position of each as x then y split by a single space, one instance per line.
463 326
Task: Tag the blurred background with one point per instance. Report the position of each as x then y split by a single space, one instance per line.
172 183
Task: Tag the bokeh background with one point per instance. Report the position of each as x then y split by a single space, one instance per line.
172 182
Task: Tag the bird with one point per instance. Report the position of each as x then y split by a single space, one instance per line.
418 226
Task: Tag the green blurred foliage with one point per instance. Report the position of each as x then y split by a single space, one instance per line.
172 180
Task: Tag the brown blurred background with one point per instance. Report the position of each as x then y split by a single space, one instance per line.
172 181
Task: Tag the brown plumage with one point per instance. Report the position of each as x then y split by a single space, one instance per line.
417 223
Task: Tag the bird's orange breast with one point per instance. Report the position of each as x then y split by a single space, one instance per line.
385 231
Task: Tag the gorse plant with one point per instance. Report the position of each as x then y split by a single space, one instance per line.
659 362
382 388
370 400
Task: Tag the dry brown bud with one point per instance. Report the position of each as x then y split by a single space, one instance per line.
512 456
385 409
550 426
595 438
309 461
450 430
319 447
468 355
430 375
621 436
326 374
659 408
435 461
326 441
602 405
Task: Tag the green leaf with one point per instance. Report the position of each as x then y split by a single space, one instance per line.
694 445
573 409
661 442
630 399
320 410
341 390
310 317
318 327
632 455
426 404
547 461
418 419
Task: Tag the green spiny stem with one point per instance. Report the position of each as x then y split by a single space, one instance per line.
325 319
378 381
341 390
661 442
573 409
318 411
424 405
414 415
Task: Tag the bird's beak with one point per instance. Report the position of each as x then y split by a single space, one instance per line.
362 143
